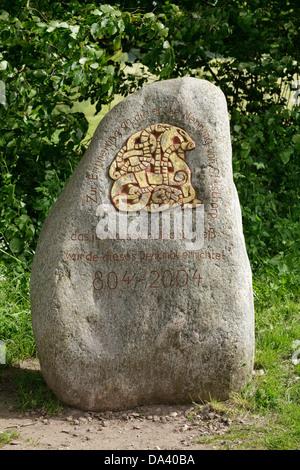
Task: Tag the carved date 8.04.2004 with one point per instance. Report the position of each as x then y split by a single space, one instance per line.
154 280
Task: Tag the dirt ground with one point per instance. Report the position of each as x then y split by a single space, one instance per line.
145 428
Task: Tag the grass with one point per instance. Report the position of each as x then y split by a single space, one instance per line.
15 319
17 335
271 401
259 431
32 393
7 436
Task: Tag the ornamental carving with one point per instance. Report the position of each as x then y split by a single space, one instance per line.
150 172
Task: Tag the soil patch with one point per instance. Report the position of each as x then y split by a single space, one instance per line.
155 427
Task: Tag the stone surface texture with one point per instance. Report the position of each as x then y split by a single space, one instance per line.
113 327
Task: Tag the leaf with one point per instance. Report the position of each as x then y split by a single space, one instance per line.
132 56
259 165
296 141
16 245
110 69
285 155
111 29
63 25
78 77
77 136
107 8
245 153
158 27
75 30
97 12
95 29
3 65
149 16
4 15
245 145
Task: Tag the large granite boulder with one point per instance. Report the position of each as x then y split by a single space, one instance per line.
141 287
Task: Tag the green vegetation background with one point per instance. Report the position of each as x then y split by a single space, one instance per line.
62 65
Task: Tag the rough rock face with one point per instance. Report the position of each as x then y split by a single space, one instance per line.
141 287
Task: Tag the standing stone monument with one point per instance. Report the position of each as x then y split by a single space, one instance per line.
141 287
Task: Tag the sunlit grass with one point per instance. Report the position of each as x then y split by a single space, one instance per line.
15 317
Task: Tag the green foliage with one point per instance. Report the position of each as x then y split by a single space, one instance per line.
54 55
266 171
